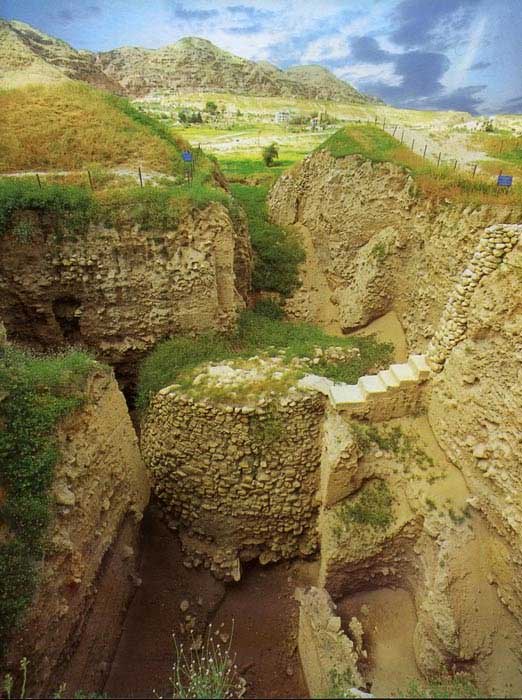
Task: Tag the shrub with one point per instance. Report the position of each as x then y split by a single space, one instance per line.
37 392
278 253
270 153
269 308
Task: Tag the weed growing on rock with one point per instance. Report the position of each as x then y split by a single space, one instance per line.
35 394
256 333
391 439
341 685
371 506
207 672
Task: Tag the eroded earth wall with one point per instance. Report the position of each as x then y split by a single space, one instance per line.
475 411
119 291
380 246
99 492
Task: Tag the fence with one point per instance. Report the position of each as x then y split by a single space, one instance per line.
427 149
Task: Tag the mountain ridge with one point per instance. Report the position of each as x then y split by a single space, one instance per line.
28 55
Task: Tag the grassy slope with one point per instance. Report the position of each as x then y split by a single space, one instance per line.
373 143
71 126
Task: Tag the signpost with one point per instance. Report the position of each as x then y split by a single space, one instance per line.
505 180
187 158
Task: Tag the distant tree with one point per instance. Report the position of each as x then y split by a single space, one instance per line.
197 118
270 153
211 107
183 117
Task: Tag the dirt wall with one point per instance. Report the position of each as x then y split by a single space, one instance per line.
99 491
119 291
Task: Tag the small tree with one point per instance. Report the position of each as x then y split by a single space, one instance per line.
211 107
270 153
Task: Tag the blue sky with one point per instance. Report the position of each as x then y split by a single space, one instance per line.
441 54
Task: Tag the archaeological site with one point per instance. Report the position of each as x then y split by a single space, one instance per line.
260 363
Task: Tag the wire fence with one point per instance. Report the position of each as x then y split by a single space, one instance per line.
417 142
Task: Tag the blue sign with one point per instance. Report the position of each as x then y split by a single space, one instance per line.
187 156
505 180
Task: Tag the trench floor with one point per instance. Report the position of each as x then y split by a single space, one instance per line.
260 608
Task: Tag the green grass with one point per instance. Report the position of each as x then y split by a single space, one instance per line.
376 145
371 506
278 253
459 686
72 207
36 393
255 333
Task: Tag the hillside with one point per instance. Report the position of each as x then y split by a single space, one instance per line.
71 126
29 56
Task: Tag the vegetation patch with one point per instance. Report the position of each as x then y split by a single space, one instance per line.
374 144
371 506
391 439
256 333
36 392
71 207
68 209
278 253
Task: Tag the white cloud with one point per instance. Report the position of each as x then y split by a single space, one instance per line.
456 76
329 48
360 73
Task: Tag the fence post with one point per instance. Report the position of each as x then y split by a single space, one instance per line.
412 144
474 169
375 119
395 129
402 136
384 123
38 180
141 178
425 149
90 179
438 160
455 166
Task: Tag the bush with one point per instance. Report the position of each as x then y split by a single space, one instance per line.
371 505
270 153
269 308
37 393
278 253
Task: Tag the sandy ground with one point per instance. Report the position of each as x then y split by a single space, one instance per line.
261 605
388 618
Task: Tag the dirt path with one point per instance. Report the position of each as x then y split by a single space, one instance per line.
261 605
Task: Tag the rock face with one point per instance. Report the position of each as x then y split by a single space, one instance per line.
475 412
120 291
380 247
29 56
239 480
100 489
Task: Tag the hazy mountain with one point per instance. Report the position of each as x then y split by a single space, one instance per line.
30 56
192 64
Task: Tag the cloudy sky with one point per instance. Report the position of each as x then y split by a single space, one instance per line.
441 54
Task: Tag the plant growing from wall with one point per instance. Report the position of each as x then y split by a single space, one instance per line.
35 394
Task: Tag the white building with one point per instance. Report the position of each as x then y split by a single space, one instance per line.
282 117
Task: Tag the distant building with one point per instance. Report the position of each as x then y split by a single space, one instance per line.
282 117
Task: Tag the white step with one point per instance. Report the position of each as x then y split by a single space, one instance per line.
389 379
372 384
418 362
316 383
347 394
404 373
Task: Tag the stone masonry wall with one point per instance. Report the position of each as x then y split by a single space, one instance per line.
120 291
240 481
